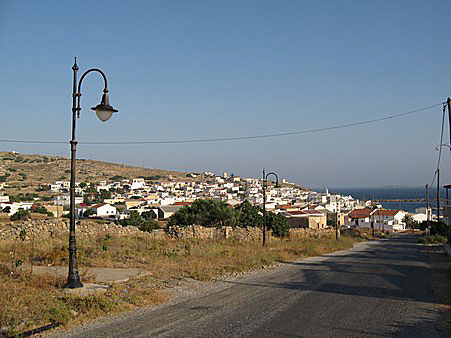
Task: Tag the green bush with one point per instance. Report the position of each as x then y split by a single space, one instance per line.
20 214
278 224
439 228
148 225
204 212
432 239
42 210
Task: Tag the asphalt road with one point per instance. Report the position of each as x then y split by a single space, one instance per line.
377 289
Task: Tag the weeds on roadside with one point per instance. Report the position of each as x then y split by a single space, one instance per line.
432 239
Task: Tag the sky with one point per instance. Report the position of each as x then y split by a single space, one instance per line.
184 70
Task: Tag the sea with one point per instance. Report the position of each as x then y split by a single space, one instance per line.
391 193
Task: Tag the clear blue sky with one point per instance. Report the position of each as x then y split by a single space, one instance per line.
205 69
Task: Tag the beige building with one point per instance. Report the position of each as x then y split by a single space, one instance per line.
307 219
57 210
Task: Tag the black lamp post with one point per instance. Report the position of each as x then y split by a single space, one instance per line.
104 111
265 181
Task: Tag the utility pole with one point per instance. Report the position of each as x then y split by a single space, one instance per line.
438 194
427 204
449 117
264 208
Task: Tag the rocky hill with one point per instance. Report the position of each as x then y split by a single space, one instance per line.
25 173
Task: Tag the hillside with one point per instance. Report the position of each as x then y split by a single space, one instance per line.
25 173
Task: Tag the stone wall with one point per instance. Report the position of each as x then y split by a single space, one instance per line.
312 233
52 227
199 232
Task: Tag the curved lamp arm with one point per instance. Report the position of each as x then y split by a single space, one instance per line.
443 145
271 173
105 90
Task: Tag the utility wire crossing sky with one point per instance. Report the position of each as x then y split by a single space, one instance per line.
348 125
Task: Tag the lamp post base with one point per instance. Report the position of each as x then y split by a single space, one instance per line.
73 283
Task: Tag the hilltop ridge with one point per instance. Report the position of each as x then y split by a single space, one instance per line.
22 171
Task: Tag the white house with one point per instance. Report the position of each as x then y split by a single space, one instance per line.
4 198
65 200
388 220
104 210
419 217
360 218
15 206
138 183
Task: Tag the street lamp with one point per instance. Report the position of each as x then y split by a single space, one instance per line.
103 111
265 181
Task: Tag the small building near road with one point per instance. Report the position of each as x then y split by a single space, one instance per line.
167 211
104 210
360 218
307 219
388 220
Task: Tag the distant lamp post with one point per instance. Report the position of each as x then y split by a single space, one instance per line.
265 182
103 111
336 221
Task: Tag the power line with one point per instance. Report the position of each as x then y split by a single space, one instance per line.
307 131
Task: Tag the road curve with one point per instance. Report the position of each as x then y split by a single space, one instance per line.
376 289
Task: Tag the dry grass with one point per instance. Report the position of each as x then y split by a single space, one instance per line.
30 301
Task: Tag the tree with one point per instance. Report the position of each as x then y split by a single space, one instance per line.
408 220
204 212
183 217
148 225
133 219
148 215
87 200
248 215
19 215
278 224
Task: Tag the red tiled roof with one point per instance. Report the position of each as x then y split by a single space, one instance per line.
183 203
95 206
385 212
360 213
312 212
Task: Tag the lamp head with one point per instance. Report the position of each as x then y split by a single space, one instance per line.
103 110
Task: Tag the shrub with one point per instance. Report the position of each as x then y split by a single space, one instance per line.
148 225
205 212
439 228
278 224
42 210
432 239
89 212
20 214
